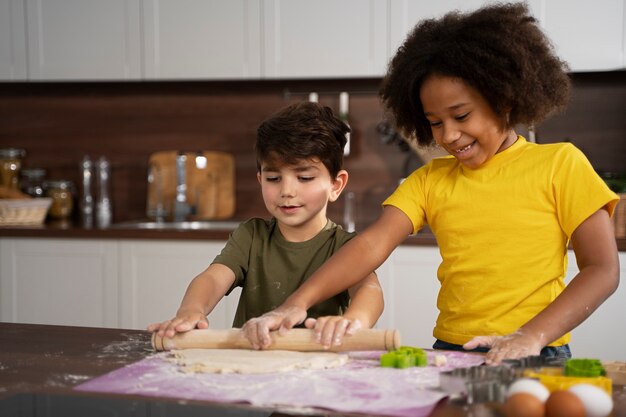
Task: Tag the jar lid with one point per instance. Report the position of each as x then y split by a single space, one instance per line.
61 184
12 153
33 173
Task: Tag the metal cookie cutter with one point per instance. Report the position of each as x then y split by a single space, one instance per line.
478 384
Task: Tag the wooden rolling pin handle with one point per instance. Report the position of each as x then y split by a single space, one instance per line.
296 339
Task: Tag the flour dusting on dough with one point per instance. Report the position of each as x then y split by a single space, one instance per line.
253 361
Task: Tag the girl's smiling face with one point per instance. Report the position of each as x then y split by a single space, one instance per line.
462 121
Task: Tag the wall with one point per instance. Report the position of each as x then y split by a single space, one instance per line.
595 120
58 123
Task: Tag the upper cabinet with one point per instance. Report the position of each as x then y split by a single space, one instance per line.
324 38
260 39
405 14
199 39
83 39
589 36
12 40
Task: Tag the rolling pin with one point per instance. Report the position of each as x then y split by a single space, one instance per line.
302 340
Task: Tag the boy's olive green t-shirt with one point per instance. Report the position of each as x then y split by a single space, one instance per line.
270 268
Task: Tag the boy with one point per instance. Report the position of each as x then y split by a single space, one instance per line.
299 158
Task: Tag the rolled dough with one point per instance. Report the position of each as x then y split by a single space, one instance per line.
253 361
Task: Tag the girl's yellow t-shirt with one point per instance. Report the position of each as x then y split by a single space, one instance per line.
503 231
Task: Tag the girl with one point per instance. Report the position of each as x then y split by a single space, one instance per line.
503 210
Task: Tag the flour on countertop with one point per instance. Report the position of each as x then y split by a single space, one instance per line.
245 361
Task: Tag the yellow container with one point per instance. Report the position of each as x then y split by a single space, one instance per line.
60 192
554 380
10 165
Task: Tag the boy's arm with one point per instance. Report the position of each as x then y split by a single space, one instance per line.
366 306
596 254
201 297
366 301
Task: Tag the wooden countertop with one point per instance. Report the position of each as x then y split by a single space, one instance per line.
72 231
40 364
50 360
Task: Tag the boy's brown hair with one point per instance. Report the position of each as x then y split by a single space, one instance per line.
302 131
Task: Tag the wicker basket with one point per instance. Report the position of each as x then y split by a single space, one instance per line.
619 217
24 212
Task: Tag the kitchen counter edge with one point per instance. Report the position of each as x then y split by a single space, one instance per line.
71 232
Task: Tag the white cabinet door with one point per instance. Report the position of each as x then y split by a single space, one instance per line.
324 38
212 39
405 14
84 39
410 287
58 281
601 335
154 276
588 35
12 40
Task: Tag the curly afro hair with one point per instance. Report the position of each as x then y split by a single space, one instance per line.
498 50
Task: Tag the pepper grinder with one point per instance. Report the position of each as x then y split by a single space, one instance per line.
86 202
349 218
103 206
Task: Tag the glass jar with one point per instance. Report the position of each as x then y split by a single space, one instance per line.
32 182
61 192
10 165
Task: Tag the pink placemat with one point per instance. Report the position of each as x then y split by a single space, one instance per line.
360 386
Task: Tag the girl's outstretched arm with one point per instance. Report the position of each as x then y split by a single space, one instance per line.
351 264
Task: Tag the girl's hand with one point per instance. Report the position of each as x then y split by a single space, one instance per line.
330 330
183 322
513 346
257 330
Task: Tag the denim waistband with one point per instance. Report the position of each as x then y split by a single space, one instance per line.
561 352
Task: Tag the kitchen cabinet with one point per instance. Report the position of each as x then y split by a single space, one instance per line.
598 336
83 39
199 39
410 287
154 276
589 36
102 283
59 281
12 41
405 14
260 39
252 39
324 38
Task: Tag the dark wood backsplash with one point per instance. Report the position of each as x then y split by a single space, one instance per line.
58 123
595 120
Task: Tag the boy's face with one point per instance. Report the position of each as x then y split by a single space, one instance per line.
462 122
297 195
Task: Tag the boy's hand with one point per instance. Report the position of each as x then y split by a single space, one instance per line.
257 330
330 330
183 322
513 346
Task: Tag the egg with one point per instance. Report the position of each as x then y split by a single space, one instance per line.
597 402
564 404
530 386
523 404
